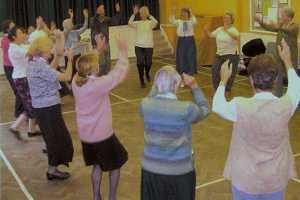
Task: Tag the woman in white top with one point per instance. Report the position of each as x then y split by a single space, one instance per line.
144 41
17 55
186 53
227 38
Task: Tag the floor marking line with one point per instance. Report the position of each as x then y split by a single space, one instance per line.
210 183
297 155
296 180
15 175
119 97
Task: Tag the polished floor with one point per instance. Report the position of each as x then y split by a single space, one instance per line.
23 165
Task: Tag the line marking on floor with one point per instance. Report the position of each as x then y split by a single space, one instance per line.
209 183
15 175
296 180
297 155
119 97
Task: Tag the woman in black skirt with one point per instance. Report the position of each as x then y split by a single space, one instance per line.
43 79
100 145
186 53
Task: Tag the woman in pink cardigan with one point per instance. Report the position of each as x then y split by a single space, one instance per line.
260 161
101 148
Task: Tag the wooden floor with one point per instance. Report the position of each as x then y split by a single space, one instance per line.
25 162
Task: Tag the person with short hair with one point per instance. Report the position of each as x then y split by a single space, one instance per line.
144 41
227 39
186 52
7 25
288 30
168 170
260 161
99 25
17 55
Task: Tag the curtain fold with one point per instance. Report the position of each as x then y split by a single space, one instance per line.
24 12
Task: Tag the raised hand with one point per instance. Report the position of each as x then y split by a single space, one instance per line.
118 8
284 52
71 14
136 10
226 72
123 48
69 54
101 42
258 17
189 81
85 13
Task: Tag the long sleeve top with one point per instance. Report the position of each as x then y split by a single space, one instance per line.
144 31
290 33
92 103
185 28
168 132
260 158
72 37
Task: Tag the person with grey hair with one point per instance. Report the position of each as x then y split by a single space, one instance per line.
288 30
227 39
168 164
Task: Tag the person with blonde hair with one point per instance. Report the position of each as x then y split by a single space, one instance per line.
144 41
168 165
186 52
100 145
260 161
43 79
227 39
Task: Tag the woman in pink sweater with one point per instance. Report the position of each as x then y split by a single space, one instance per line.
101 148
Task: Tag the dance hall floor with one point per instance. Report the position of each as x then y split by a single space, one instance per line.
23 165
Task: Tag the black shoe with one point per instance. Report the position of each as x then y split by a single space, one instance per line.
16 133
57 175
38 133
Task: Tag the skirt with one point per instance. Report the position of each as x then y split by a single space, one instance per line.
56 135
110 154
168 187
18 103
239 195
186 55
23 91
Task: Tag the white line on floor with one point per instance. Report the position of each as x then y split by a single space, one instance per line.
210 183
297 155
15 175
119 97
296 180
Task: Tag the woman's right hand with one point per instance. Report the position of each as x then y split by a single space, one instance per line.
135 10
123 48
258 17
284 52
69 53
189 81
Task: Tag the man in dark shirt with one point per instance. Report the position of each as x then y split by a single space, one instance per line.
100 26
100 23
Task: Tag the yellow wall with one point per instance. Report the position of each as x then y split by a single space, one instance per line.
200 7
241 9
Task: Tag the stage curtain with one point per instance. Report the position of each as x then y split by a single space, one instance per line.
24 12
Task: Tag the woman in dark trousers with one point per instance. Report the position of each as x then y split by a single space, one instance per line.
227 38
144 41
8 67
